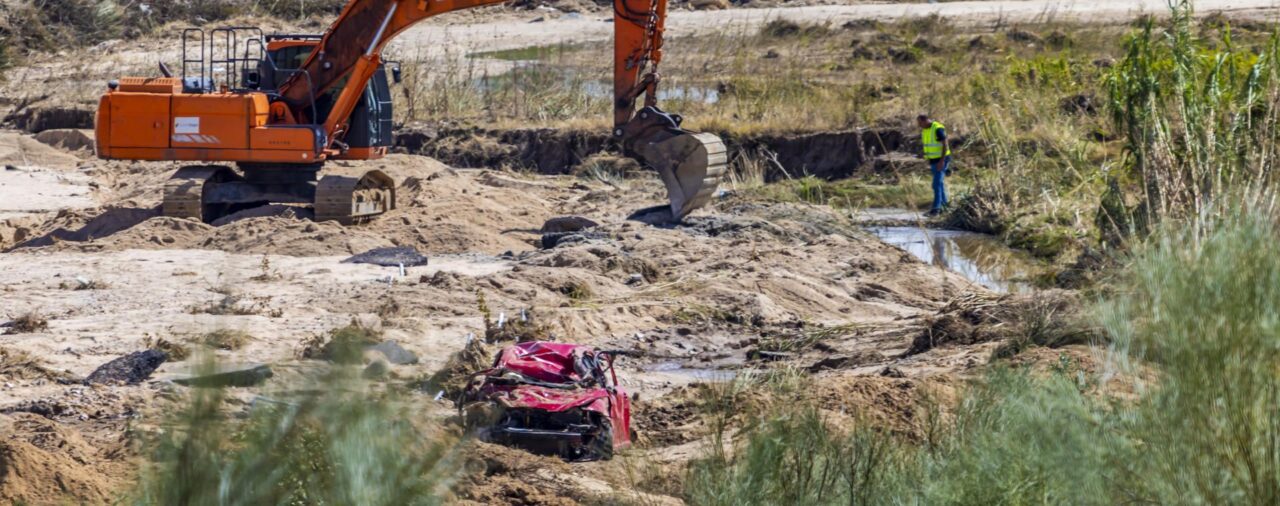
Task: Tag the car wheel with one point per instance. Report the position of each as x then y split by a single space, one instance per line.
601 447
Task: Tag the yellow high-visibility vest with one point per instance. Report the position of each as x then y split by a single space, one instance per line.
932 146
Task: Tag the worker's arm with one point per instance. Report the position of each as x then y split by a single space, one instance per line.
946 144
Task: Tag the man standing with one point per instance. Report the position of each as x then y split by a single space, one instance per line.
937 151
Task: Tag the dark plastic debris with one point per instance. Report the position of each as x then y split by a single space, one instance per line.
389 257
235 376
130 369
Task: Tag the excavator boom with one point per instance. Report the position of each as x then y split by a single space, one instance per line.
318 99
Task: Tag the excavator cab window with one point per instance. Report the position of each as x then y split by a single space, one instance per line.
371 121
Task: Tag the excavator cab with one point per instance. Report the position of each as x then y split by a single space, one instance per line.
370 123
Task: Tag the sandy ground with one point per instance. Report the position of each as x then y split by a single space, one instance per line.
691 301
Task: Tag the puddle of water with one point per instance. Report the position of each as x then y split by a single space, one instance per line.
979 257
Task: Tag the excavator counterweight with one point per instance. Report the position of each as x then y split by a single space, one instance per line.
280 107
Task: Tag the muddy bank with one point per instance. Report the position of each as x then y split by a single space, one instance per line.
828 155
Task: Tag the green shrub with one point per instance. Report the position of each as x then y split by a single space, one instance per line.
335 444
1197 312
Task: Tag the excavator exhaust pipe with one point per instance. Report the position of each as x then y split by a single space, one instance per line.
691 165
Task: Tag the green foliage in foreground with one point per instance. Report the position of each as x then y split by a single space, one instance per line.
337 444
1199 309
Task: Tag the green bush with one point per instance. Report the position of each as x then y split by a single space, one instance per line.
1198 312
336 444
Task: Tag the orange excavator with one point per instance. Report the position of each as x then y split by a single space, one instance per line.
280 106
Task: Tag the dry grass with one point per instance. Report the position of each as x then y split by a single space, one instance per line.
226 339
175 351
20 365
344 345
29 322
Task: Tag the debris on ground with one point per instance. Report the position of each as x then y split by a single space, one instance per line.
224 375
130 369
390 257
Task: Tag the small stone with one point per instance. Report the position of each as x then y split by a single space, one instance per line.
892 372
567 224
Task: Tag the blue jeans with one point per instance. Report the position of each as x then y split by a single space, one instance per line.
940 167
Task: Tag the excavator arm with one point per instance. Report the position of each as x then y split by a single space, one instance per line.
691 165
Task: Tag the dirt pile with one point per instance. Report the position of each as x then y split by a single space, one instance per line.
42 462
441 211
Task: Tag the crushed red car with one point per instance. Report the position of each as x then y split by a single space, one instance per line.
551 398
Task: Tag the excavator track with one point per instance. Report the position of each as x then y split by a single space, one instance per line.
351 196
184 192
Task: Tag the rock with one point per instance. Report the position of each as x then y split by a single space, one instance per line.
905 55
566 238
892 372
1083 103
395 353
70 139
229 376
767 356
567 224
1020 35
130 369
376 370
389 257
845 361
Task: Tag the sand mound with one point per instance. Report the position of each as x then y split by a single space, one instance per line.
24 150
440 211
43 462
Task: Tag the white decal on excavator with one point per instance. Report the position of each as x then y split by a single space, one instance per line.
187 125
202 139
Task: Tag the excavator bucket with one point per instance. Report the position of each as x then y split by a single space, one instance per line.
691 165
